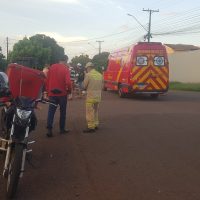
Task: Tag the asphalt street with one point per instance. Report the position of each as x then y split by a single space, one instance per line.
145 149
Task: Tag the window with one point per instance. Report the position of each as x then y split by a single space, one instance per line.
159 61
141 61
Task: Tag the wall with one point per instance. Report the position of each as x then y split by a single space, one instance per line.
185 66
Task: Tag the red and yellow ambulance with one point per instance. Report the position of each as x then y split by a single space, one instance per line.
140 68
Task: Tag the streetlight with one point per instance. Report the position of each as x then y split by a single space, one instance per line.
137 21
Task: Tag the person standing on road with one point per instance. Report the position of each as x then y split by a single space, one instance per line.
58 86
93 85
81 75
80 78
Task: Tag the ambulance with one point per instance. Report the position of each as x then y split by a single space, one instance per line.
142 68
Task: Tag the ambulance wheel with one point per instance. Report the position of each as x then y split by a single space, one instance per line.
154 96
121 93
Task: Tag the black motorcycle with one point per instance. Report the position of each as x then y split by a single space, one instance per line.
17 121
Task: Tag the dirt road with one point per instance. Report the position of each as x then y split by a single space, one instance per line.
145 150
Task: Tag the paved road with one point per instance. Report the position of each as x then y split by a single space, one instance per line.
145 150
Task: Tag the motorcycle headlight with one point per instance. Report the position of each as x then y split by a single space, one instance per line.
23 114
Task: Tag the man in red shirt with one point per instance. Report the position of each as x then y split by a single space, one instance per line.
58 86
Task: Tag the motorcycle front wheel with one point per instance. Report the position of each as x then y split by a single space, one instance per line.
14 170
3 128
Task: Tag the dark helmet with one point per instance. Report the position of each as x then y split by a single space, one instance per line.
4 89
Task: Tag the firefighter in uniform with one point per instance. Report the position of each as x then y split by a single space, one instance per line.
93 85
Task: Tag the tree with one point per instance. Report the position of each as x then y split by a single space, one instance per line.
3 61
40 48
82 59
56 51
101 60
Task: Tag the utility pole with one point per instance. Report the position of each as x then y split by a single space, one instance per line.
99 45
7 47
149 30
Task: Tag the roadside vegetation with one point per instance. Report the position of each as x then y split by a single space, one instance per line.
3 61
184 86
39 50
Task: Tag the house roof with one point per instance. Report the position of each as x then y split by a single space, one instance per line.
182 47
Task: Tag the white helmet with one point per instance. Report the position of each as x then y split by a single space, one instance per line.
79 65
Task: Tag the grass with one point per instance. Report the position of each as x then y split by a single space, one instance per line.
185 86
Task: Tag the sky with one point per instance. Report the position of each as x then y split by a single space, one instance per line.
77 25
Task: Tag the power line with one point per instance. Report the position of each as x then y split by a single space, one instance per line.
187 18
92 45
101 37
190 24
181 22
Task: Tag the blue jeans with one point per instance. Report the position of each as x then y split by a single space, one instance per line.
62 102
